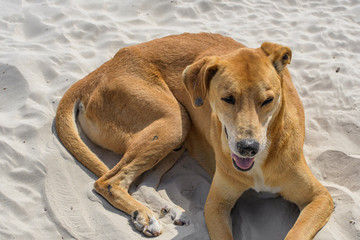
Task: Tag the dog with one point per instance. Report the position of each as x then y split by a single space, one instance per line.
233 108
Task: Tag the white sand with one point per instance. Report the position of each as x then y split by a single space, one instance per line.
48 45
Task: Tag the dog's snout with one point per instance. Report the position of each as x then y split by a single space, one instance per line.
248 147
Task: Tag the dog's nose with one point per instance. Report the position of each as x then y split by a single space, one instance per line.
248 147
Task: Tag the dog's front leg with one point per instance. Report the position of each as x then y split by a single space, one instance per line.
312 218
222 197
315 203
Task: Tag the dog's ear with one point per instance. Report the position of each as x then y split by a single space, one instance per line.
196 78
279 55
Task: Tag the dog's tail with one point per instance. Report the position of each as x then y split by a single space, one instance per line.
69 135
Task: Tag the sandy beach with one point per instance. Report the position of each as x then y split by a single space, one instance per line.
46 46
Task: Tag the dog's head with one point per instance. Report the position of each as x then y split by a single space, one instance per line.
244 91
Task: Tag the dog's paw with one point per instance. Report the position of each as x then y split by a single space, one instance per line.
146 223
177 214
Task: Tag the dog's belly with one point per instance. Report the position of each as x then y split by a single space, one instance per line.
100 135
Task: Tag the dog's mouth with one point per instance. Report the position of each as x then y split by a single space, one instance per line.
242 164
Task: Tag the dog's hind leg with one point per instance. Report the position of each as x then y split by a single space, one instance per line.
161 203
144 150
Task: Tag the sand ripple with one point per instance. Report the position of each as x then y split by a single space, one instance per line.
47 46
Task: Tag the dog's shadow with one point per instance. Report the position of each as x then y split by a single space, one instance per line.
109 158
262 216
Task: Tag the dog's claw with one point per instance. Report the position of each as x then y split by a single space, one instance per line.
180 222
150 234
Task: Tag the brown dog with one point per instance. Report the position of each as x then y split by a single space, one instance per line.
235 110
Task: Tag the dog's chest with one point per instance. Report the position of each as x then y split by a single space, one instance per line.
259 181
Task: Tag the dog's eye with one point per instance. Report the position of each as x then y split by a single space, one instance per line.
267 101
230 99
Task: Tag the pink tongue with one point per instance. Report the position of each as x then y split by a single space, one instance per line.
243 163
